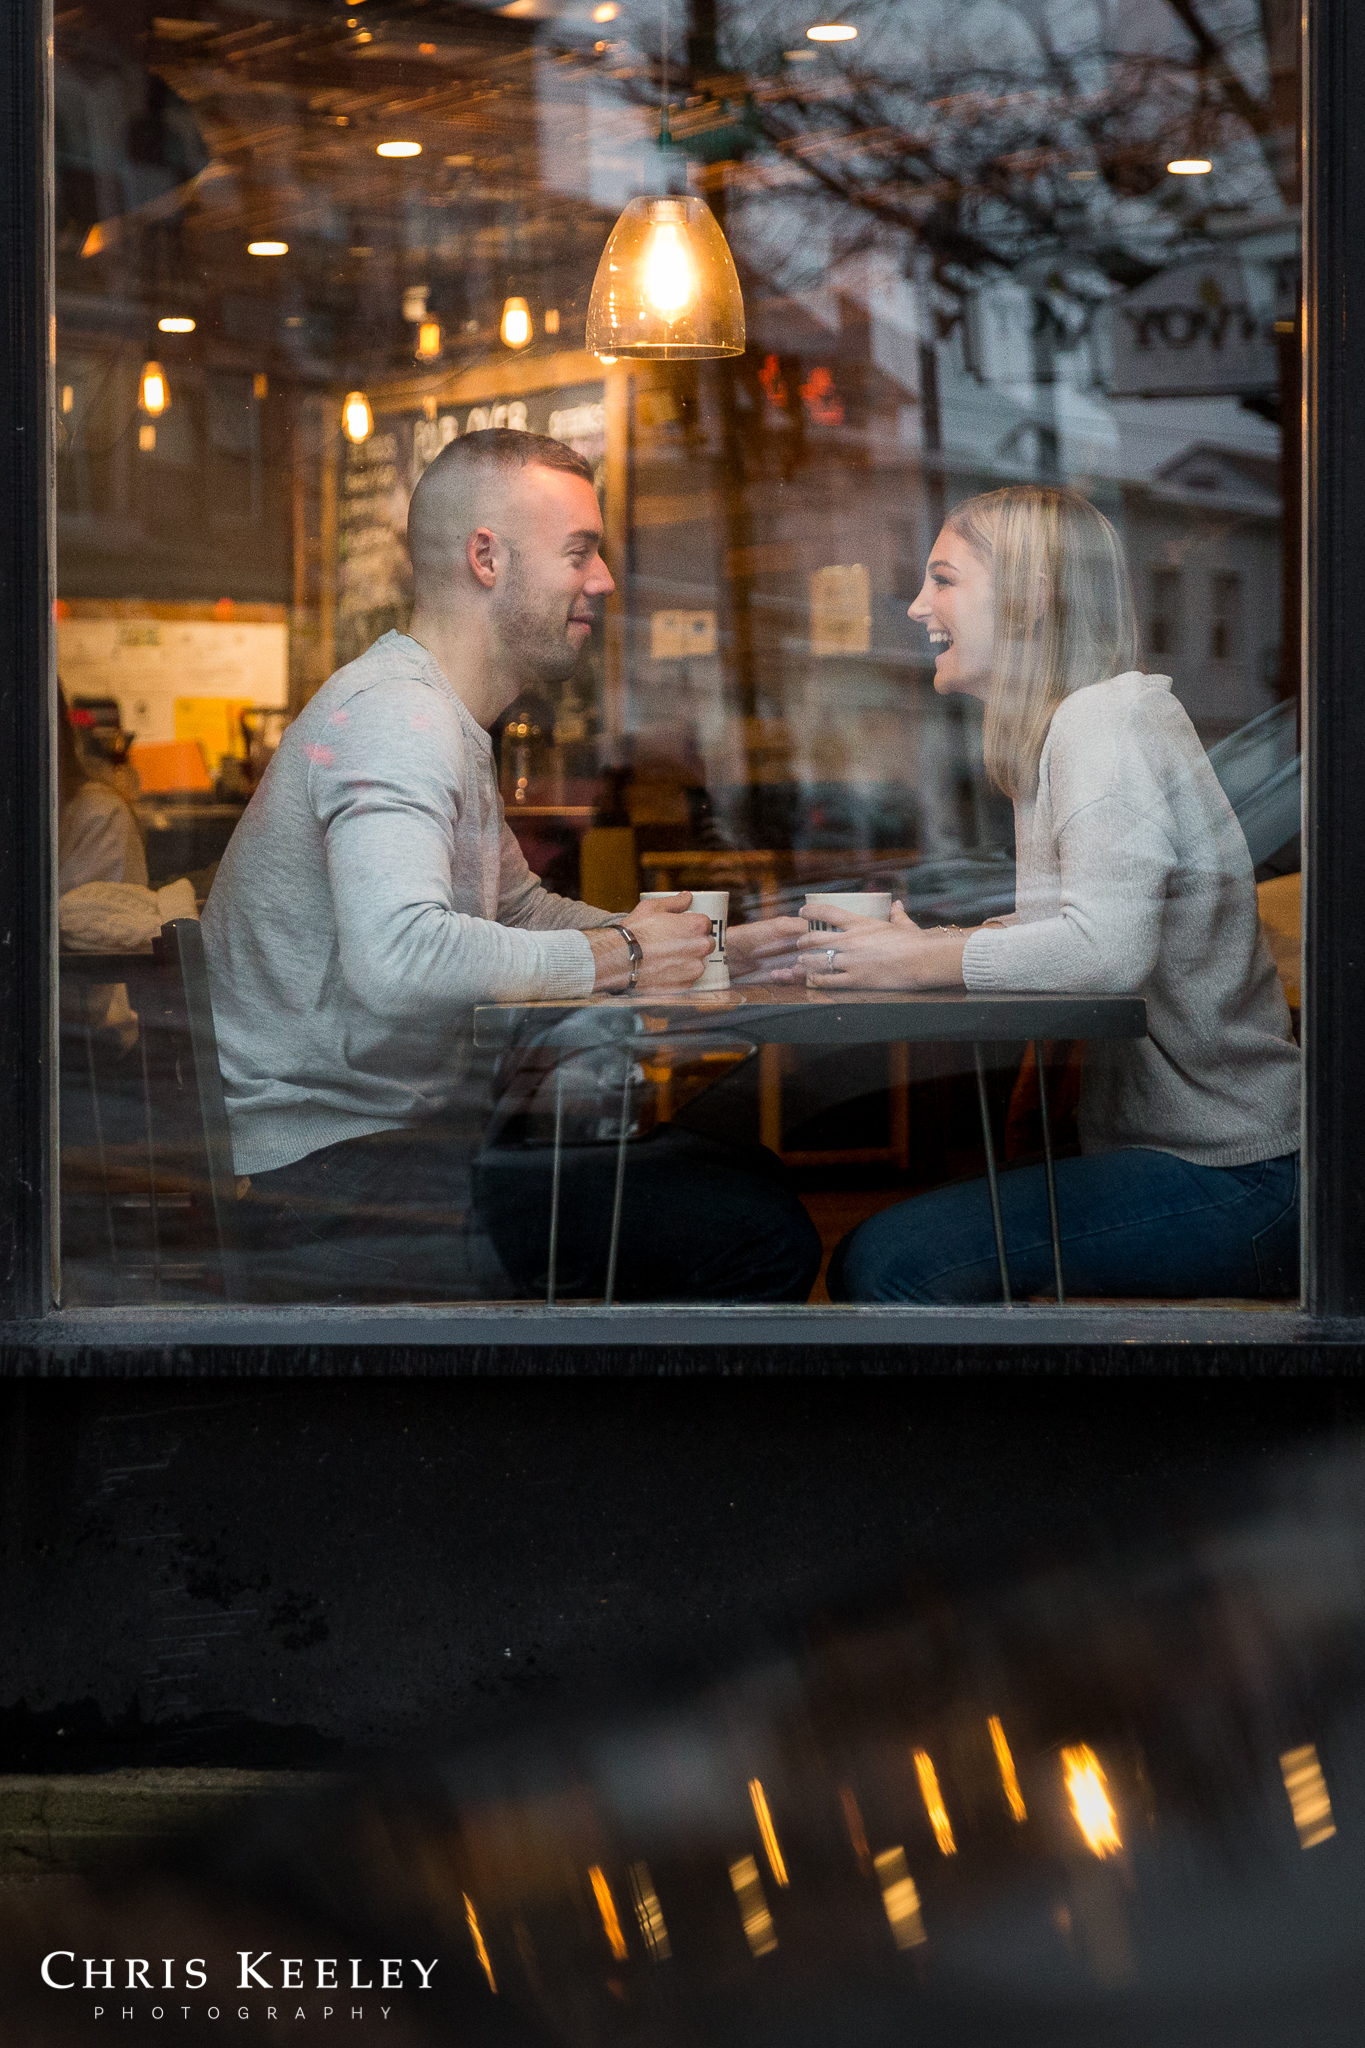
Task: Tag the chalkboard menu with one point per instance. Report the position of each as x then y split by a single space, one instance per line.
374 576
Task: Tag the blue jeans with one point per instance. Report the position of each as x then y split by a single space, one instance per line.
1133 1223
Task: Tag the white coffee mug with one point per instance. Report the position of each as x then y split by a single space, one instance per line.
862 902
715 905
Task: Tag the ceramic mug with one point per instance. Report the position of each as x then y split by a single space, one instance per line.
715 905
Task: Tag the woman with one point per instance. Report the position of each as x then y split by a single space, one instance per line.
1133 878
97 835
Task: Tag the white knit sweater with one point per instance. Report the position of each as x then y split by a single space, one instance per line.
1134 879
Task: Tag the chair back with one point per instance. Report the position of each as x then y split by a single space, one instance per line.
156 1116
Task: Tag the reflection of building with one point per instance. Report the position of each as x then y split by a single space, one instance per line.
1204 545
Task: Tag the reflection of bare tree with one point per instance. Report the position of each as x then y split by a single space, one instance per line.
1008 138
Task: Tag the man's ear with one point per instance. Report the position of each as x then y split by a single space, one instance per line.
483 552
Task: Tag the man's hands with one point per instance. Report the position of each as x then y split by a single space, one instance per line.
872 952
675 943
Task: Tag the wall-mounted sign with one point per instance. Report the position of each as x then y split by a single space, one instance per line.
841 609
577 416
171 666
1198 331
674 636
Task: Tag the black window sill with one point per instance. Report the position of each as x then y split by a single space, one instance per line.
527 1339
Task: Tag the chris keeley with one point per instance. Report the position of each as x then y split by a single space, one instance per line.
63 1970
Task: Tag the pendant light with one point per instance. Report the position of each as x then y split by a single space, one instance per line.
154 393
666 287
516 323
357 421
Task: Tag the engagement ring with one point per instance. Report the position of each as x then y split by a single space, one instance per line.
829 955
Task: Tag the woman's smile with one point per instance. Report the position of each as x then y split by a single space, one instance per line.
956 608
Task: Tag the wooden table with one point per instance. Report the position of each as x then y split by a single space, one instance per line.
781 1014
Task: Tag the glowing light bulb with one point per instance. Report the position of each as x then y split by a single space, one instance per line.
398 149
670 282
1189 167
267 248
608 11
154 394
666 285
1087 1789
429 339
831 32
516 323
357 421
176 324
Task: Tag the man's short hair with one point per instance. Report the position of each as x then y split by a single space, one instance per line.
449 479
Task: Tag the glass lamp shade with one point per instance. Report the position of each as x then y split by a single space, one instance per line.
666 286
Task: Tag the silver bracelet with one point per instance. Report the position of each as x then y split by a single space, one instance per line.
637 954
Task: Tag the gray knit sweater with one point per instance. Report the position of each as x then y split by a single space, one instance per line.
1134 878
371 895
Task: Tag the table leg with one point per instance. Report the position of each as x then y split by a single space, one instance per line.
1050 1170
898 1077
991 1180
554 1187
610 1294
770 1097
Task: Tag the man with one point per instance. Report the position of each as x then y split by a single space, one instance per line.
373 894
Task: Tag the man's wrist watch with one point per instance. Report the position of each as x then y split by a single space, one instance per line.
637 954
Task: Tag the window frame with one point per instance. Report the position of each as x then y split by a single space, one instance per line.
35 1335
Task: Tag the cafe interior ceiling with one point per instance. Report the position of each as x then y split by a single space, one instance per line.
183 138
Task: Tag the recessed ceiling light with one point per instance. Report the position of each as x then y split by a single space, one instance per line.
831 32
398 149
267 248
1189 167
176 324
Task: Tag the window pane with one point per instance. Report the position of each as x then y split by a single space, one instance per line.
986 313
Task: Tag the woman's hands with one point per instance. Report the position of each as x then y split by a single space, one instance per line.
872 952
673 940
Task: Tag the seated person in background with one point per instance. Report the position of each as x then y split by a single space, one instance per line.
1133 879
374 893
97 835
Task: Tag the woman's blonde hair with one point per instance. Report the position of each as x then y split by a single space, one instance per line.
1064 614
